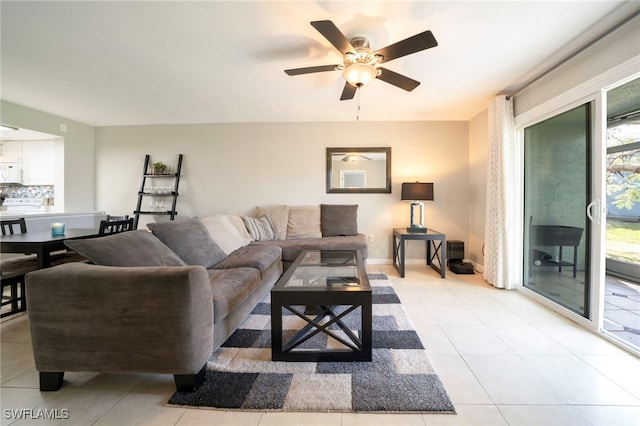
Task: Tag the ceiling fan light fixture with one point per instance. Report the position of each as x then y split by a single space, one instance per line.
359 74
351 57
360 62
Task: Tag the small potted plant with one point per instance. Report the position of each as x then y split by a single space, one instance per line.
159 168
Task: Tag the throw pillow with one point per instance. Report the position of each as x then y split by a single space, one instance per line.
339 220
133 248
190 240
238 223
304 222
279 216
260 229
225 234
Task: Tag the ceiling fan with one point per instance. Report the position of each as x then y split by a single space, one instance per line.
355 157
361 64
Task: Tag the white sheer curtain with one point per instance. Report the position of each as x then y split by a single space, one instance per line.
501 223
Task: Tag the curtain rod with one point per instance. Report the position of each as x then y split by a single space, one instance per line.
582 48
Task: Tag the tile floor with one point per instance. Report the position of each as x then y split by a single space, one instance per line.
622 309
559 287
504 359
621 304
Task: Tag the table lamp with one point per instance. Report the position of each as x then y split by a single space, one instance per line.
417 192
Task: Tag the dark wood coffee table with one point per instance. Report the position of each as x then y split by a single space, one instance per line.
329 291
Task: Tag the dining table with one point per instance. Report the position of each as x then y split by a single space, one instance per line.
43 243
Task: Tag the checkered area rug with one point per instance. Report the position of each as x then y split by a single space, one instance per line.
240 374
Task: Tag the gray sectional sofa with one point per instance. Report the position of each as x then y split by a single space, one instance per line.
324 227
163 301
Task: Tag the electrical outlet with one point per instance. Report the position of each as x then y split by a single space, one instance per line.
371 238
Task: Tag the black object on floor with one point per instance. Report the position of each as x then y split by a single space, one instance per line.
461 267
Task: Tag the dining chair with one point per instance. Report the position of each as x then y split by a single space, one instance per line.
16 297
108 227
12 271
9 226
111 218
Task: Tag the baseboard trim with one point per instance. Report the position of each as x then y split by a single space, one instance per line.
476 266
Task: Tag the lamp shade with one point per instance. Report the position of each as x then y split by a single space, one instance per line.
359 74
416 191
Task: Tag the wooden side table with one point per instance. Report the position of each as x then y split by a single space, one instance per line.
435 248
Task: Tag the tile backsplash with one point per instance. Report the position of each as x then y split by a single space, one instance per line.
27 191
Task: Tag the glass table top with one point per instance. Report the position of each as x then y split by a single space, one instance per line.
319 268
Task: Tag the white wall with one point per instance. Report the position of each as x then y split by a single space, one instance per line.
478 149
77 187
232 168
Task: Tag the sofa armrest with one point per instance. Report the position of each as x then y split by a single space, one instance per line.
87 317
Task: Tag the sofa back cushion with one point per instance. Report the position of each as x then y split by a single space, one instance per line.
133 248
279 215
226 232
190 240
339 220
238 224
304 222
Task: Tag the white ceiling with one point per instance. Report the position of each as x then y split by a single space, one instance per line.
126 62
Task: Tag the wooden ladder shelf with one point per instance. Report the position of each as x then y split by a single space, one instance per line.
169 190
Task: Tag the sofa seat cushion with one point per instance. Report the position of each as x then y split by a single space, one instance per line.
230 288
261 257
292 248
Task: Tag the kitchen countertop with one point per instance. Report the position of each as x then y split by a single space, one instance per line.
4 214
31 216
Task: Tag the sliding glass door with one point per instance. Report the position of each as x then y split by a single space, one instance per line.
622 286
557 192
623 180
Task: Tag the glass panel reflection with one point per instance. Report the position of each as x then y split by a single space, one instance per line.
557 191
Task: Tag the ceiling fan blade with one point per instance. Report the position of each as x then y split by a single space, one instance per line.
398 80
352 157
410 45
348 92
309 70
334 35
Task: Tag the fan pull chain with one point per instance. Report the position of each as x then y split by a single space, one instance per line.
358 107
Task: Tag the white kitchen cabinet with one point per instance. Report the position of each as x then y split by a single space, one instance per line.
37 163
10 151
35 157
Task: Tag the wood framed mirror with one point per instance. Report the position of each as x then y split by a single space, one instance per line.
359 170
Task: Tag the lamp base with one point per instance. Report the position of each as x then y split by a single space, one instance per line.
417 229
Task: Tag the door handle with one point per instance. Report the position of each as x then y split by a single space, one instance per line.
593 211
